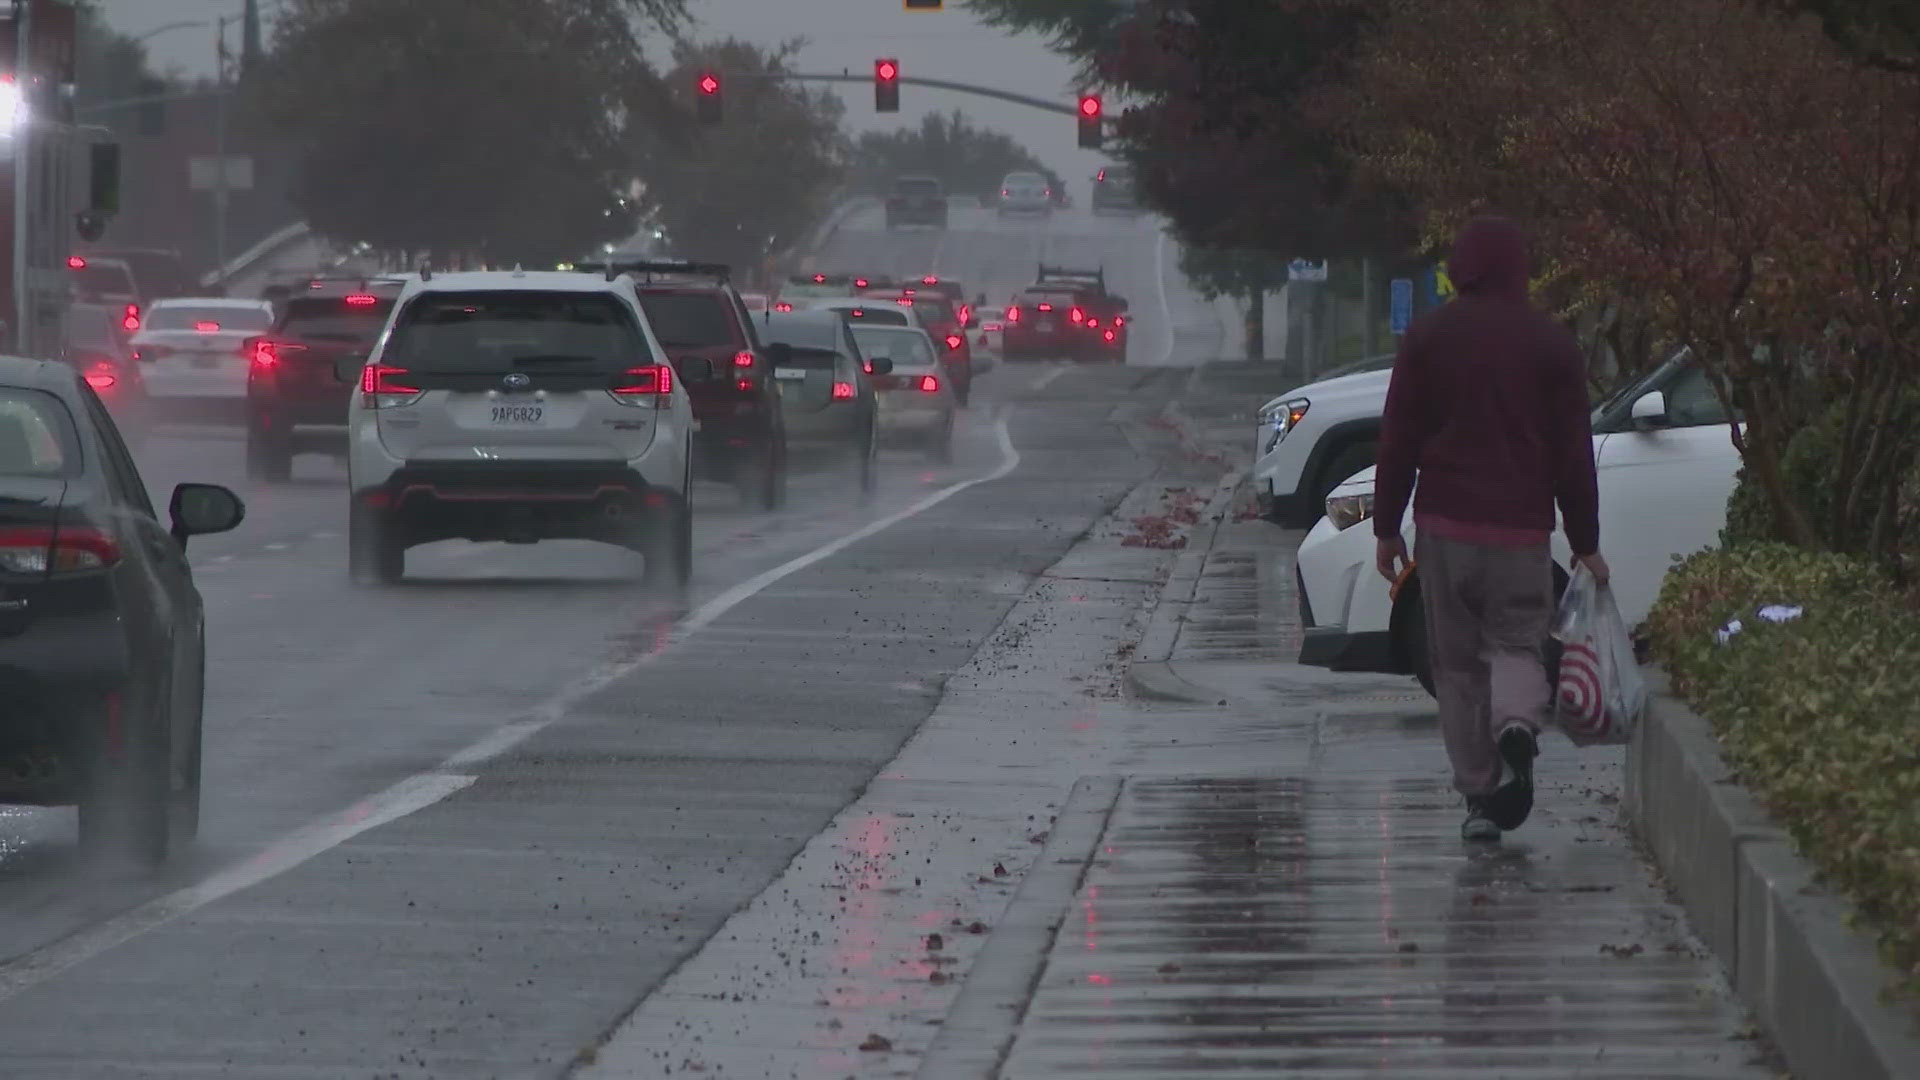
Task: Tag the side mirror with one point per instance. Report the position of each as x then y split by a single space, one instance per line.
199 509
779 353
880 365
1650 410
346 366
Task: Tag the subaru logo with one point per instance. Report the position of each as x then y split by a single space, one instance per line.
517 381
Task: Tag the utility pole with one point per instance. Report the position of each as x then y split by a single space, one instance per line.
23 140
250 47
220 156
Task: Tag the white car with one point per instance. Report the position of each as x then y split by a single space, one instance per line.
1314 436
192 348
1665 461
916 398
1025 193
519 407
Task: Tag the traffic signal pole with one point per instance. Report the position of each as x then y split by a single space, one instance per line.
21 134
1043 104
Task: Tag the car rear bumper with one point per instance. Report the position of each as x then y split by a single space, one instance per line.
518 502
1335 649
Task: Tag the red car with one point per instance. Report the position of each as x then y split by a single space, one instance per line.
1066 313
293 397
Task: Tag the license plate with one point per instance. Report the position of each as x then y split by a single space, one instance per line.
517 415
205 360
790 374
1044 326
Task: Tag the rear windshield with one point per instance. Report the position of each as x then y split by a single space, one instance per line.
159 274
1052 296
250 320
936 309
477 332
91 327
905 350
690 320
1024 180
806 333
36 435
334 321
913 185
103 279
883 316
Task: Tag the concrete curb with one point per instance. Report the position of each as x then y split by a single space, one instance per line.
1150 675
984 1020
1812 980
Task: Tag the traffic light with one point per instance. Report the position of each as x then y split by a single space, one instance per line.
1090 130
886 85
707 94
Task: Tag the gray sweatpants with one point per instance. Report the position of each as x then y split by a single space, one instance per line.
1488 609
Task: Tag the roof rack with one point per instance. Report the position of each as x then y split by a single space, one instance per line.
1062 273
649 268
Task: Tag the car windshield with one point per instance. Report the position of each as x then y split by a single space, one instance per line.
188 317
103 279
489 331
334 320
884 316
92 327
36 435
906 349
684 319
826 339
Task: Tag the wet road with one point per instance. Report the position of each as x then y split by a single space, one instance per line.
461 827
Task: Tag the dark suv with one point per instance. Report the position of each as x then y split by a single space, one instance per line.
917 200
291 388
742 436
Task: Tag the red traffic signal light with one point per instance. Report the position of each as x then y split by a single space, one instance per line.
887 70
709 83
1091 132
886 85
707 101
1089 105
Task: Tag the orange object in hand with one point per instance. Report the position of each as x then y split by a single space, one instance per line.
1405 573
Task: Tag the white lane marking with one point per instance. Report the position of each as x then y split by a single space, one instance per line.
409 795
1042 382
421 790
276 547
1160 282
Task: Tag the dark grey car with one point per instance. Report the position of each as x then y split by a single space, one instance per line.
102 648
826 391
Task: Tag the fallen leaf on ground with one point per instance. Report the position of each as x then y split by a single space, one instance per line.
877 1042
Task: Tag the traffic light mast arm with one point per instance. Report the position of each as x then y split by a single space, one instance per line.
1063 108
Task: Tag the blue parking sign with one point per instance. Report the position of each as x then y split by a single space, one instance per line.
1401 292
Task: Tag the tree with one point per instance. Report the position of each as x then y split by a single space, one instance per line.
1884 33
503 129
758 182
1692 157
966 158
111 66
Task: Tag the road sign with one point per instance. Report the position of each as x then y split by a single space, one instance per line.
1307 270
203 173
1401 292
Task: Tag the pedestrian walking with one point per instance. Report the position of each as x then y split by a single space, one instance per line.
1488 404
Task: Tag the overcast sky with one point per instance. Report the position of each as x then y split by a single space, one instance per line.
843 34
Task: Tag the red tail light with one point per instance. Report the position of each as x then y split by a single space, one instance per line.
1004 193
929 384
1093 324
75 262
954 341
362 300
70 550
1013 314
859 283
1109 335
264 356
102 377
783 306
966 314
654 379
1119 321
1077 316
380 379
206 327
132 320
743 358
929 280
819 279
843 391
1046 307
744 384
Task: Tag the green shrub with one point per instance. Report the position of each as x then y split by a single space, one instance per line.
1809 466
1817 714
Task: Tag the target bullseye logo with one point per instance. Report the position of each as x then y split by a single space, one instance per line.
1583 706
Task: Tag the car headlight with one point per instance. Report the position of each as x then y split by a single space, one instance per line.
1280 418
1346 511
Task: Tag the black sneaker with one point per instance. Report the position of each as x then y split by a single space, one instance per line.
1478 825
1512 801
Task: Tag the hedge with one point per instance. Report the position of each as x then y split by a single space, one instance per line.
1819 715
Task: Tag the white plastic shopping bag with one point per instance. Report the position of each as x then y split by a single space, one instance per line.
1601 693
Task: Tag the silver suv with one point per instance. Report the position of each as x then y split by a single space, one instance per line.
519 407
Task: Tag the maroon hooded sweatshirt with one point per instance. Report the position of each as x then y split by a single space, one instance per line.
1489 404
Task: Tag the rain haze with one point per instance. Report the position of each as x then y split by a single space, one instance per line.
513 568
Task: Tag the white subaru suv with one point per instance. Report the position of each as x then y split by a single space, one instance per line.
518 407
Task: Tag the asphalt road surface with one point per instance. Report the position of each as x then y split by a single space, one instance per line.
461 827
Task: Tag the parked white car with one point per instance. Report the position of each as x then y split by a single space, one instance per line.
191 348
1666 464
1312 437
